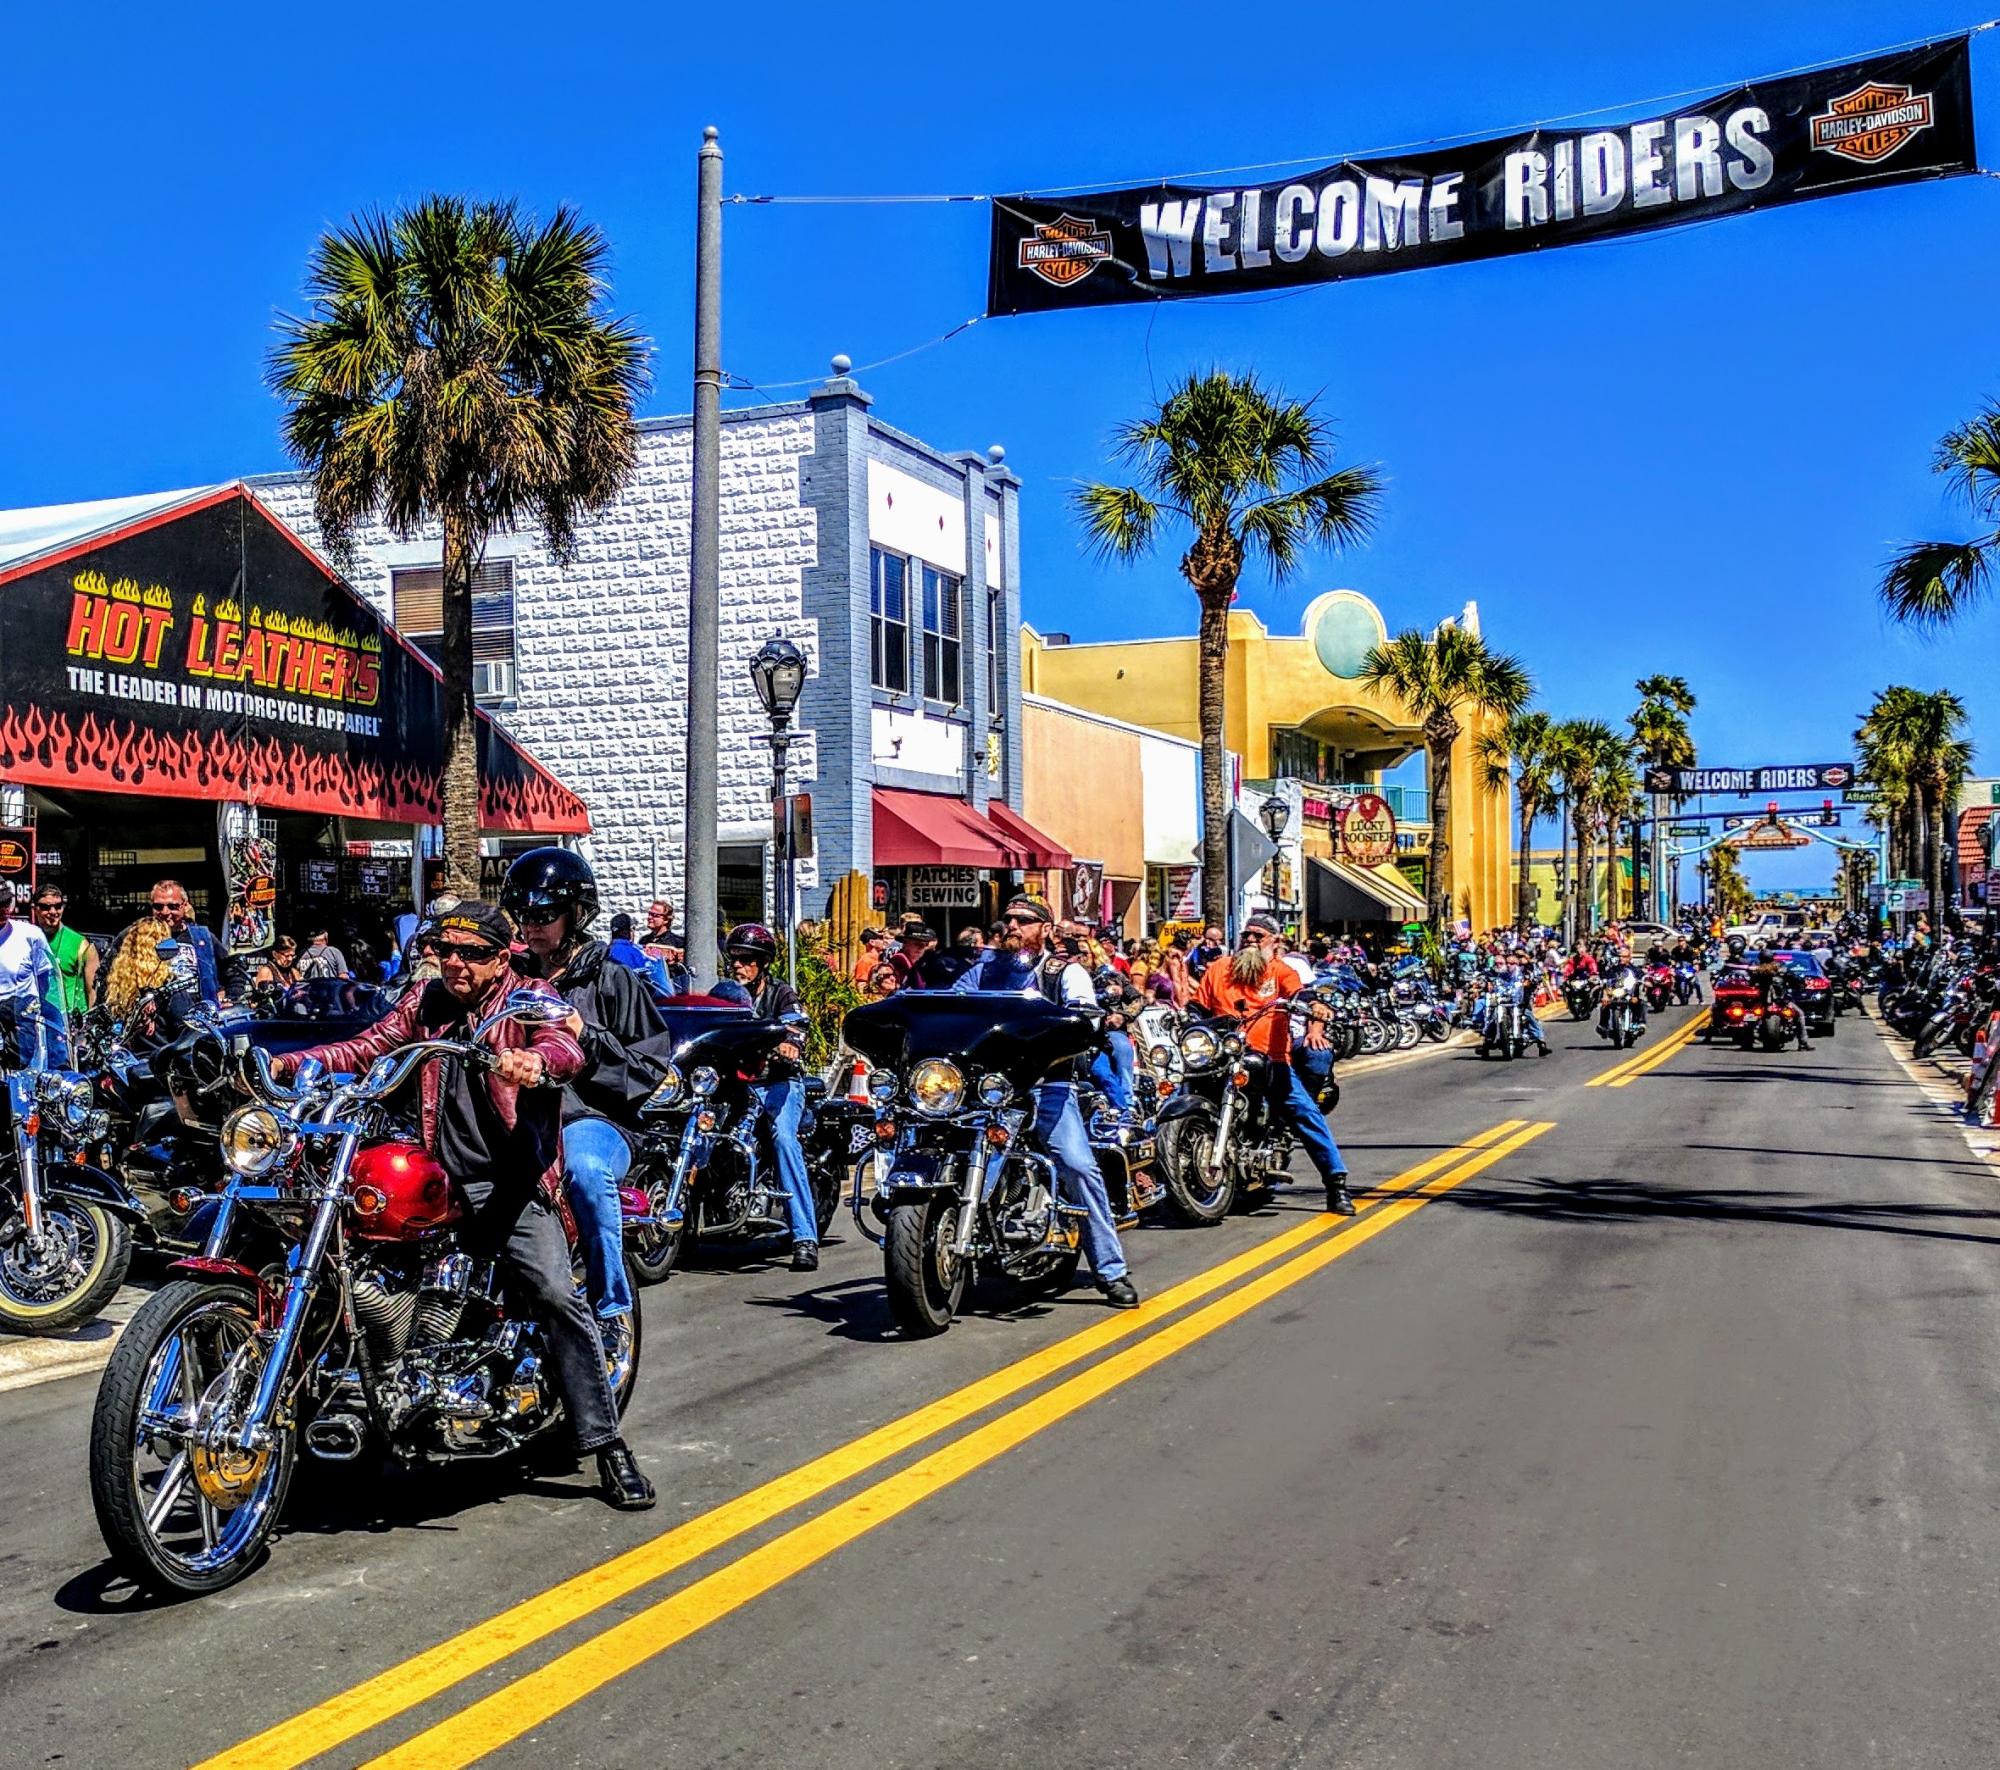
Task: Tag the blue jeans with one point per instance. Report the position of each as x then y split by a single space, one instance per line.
596 1158
1059 1129
784 1103
1116 1071
1297 1106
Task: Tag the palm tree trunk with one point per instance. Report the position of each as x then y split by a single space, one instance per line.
1524 894
461 726
1440 868
1215 904
1940 881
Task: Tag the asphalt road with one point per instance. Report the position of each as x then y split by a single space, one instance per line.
1654 1428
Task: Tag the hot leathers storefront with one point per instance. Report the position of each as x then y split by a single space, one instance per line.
194 695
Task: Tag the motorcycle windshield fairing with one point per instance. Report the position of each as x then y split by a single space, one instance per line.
1024 1038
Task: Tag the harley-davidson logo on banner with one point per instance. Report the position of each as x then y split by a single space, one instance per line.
1888 119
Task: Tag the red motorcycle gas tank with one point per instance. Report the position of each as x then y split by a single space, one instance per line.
415 1194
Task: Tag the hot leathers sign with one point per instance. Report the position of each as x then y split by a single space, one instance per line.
1886 120
205 654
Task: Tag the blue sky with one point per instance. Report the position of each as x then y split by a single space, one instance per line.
1686 453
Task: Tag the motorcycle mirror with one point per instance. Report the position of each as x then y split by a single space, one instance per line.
531 1007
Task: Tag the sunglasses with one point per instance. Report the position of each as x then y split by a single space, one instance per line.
1021 921
464 953
536 918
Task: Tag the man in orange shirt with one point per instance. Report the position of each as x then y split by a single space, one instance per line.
1245 984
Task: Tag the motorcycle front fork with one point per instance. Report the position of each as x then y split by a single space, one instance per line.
1218 1155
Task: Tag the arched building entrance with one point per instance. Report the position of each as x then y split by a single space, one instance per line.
1295 710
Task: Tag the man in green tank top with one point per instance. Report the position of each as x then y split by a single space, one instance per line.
75 957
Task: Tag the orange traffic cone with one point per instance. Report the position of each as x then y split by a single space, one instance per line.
857 1084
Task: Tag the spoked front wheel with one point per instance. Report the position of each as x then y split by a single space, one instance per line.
182 1508
925 1276
64 1277
1195 1197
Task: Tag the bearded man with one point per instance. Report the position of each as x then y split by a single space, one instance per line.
1022 964
1243 988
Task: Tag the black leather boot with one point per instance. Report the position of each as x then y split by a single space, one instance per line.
1338 1199
805 1256
624 1486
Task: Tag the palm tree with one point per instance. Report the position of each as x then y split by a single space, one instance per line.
1585 750
1728 890
1932 583
1660 739
1914 736
1436 679
1245 470
458 367
1522 753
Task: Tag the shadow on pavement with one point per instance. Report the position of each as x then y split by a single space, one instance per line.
1609 1200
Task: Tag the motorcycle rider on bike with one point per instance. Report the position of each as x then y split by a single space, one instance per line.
498 1133
1021 964
552 895
751 949
1776 984
1236 989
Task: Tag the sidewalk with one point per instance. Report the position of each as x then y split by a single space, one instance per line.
1940 1077
24 1362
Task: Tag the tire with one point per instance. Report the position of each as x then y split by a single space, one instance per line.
1930 1037
179 1353
926 1285
1376 1036
1185 1146
1436 1030
1407 1035
83 1263
622 1359
826 1191
654 1253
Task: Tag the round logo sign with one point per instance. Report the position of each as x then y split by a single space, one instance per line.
260 892
13 857
1367 831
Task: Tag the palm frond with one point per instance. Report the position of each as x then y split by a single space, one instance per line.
1932 583
1119 522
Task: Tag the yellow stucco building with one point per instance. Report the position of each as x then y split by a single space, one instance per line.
1294 707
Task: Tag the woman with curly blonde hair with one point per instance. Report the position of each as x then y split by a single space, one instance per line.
137 967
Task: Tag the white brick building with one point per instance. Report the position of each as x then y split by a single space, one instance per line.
890 563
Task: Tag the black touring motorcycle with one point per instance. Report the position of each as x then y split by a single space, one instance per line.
959 1191
1223 1144
705 1167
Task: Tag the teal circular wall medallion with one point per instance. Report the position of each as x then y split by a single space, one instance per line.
1343 628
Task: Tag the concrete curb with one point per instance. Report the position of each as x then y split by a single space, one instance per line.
25 1362
1361 1066
1941 1081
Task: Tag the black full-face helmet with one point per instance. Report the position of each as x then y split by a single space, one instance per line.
550 880
751 940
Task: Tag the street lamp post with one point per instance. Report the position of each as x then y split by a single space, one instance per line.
778 673
1274 814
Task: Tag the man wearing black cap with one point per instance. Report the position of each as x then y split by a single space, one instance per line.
498 1134
1022 965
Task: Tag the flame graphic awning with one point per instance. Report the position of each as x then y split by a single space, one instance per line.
189 644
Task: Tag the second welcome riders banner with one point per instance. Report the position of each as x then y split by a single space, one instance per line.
1887 119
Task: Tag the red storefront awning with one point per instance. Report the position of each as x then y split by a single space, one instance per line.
1020 835
934 830
930 830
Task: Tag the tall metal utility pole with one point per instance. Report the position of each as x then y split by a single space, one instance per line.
698 837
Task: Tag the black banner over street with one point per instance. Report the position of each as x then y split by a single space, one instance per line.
1888 119
1790 777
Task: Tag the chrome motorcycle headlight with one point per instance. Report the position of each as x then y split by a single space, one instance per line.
66 1097
1161 1057
882 1086
995 1090
703 1082
937 1087
672 1087
255 1139
1198 1047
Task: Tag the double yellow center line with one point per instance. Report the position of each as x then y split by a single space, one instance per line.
1632 1068
517 1707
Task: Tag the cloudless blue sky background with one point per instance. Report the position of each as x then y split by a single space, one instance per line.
1687 453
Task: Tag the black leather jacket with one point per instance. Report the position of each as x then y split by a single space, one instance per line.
623 1065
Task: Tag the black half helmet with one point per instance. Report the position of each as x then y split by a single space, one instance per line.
550 879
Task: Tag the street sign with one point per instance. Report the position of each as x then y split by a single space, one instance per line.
1684 830
1780 778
